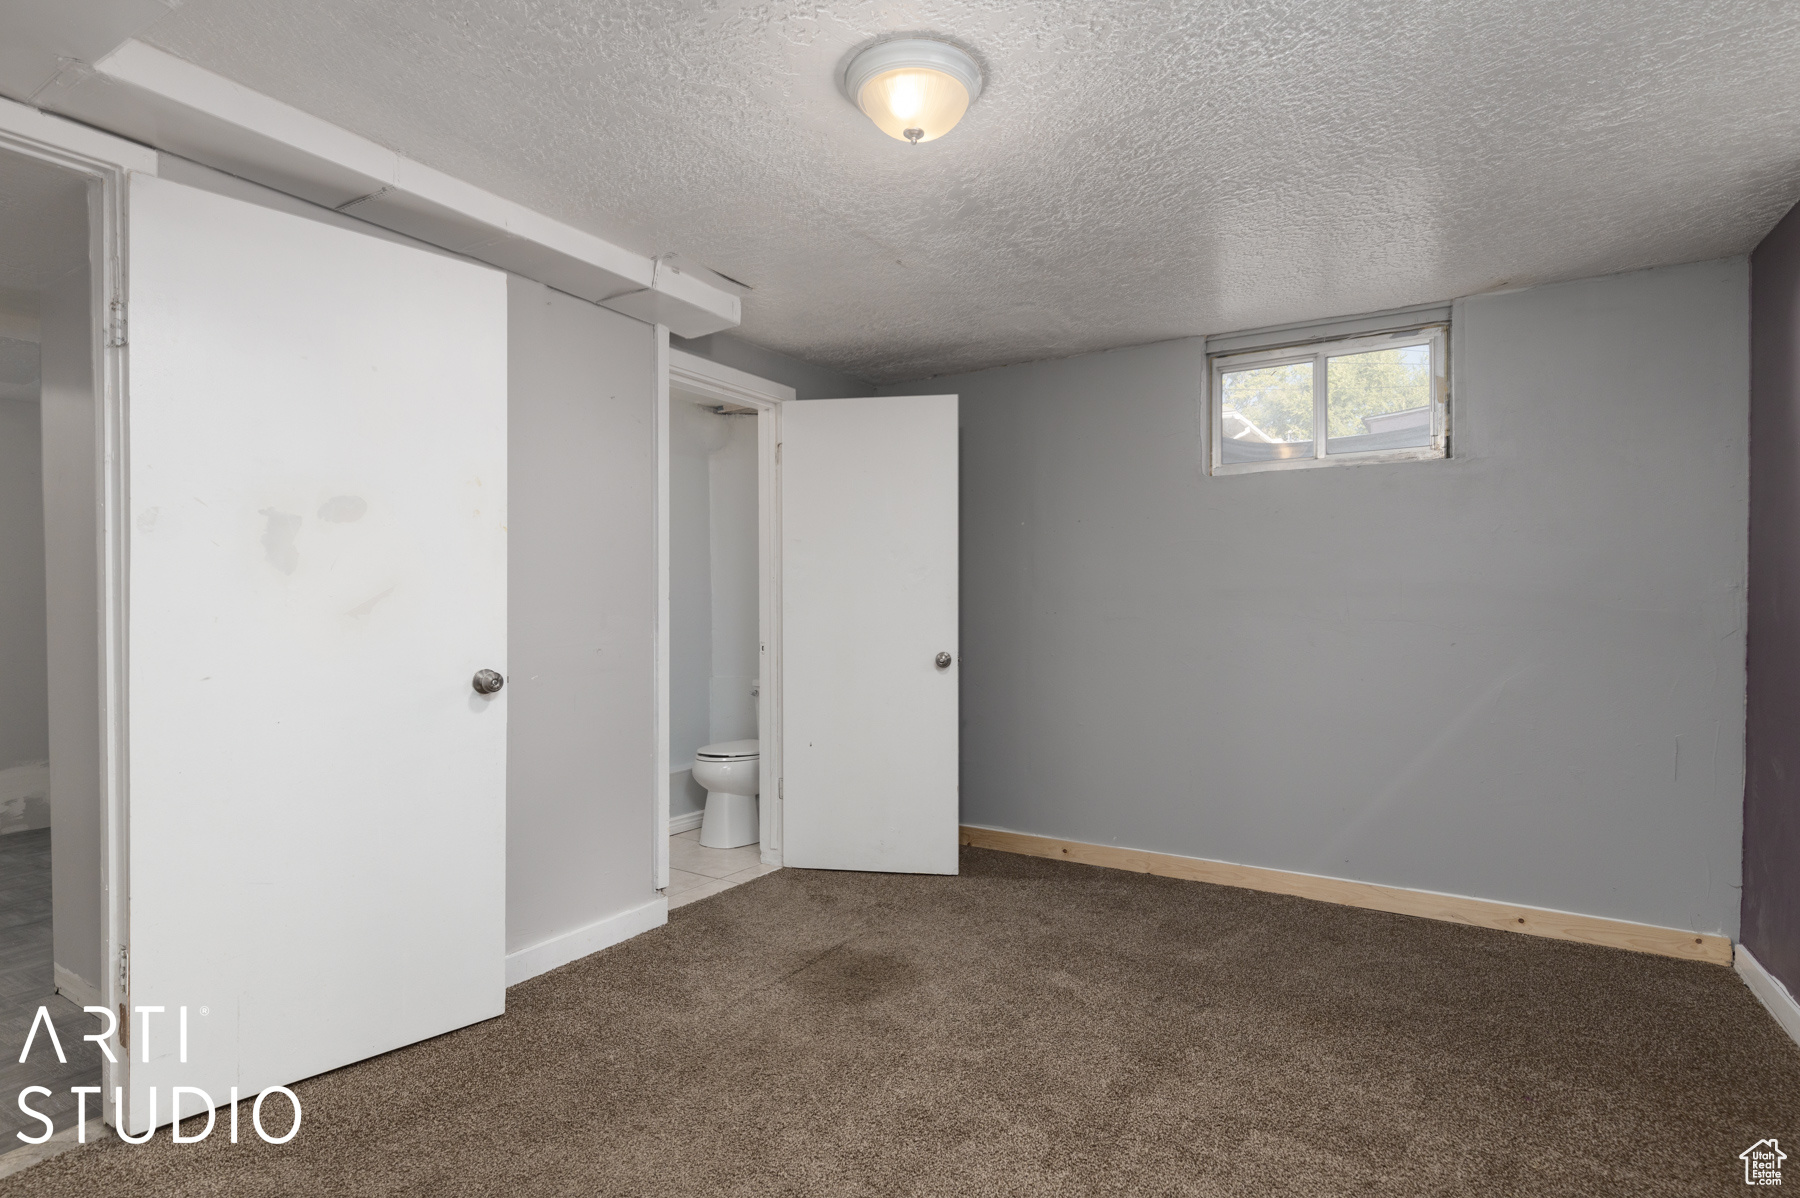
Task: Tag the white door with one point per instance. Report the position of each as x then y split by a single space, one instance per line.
317 823
868 604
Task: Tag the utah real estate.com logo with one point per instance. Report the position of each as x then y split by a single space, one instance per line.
1762 1163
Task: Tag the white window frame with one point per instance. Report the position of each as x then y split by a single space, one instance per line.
1437 336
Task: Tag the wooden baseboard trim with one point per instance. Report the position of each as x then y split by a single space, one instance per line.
685 823
1481 913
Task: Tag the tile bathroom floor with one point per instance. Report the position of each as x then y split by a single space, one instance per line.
697 872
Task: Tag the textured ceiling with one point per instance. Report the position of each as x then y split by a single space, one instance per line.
1135 170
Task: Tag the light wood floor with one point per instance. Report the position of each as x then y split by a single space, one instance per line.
27 981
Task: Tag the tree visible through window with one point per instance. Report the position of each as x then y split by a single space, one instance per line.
1377 398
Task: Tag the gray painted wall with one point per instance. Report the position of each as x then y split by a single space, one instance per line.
582 596
72 575
24 711
807 380
1517 675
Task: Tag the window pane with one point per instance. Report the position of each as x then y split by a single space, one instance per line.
1267 413
1378 400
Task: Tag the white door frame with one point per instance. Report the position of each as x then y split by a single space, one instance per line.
104 160
726 386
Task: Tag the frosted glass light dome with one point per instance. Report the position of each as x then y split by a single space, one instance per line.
914 89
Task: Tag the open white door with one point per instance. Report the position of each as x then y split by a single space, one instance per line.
868 612
317 828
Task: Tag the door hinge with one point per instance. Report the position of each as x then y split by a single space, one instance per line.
124 1026
115 324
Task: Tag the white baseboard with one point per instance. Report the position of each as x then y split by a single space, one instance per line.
77 989
572 946
1769 990
683 823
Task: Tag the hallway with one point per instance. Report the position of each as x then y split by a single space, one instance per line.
27 981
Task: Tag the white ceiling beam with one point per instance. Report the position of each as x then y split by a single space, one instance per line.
156 98
30 124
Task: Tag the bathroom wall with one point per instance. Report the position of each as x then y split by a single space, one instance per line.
24 704
694 435
1516 675
713 647
731 709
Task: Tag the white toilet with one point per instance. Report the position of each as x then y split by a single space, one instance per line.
729 772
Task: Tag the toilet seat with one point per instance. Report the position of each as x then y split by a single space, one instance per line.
729 750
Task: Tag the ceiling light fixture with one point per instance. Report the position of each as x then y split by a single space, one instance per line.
915 89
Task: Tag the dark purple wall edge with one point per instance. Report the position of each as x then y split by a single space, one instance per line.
1771 911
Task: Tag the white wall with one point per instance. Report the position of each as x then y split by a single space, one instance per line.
24 712
1517 675
582 601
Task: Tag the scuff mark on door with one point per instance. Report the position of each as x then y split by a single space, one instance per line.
280 532
344 509
363 609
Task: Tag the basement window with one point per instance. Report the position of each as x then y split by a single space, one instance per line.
1378 397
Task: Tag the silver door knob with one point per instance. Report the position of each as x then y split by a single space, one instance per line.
943 661
488 681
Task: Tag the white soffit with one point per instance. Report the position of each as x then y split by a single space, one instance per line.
151 96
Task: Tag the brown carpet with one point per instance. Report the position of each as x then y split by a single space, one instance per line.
1040 1028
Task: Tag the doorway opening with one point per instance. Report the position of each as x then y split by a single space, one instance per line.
719 816
53 819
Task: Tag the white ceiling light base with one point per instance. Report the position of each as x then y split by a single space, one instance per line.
915 89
